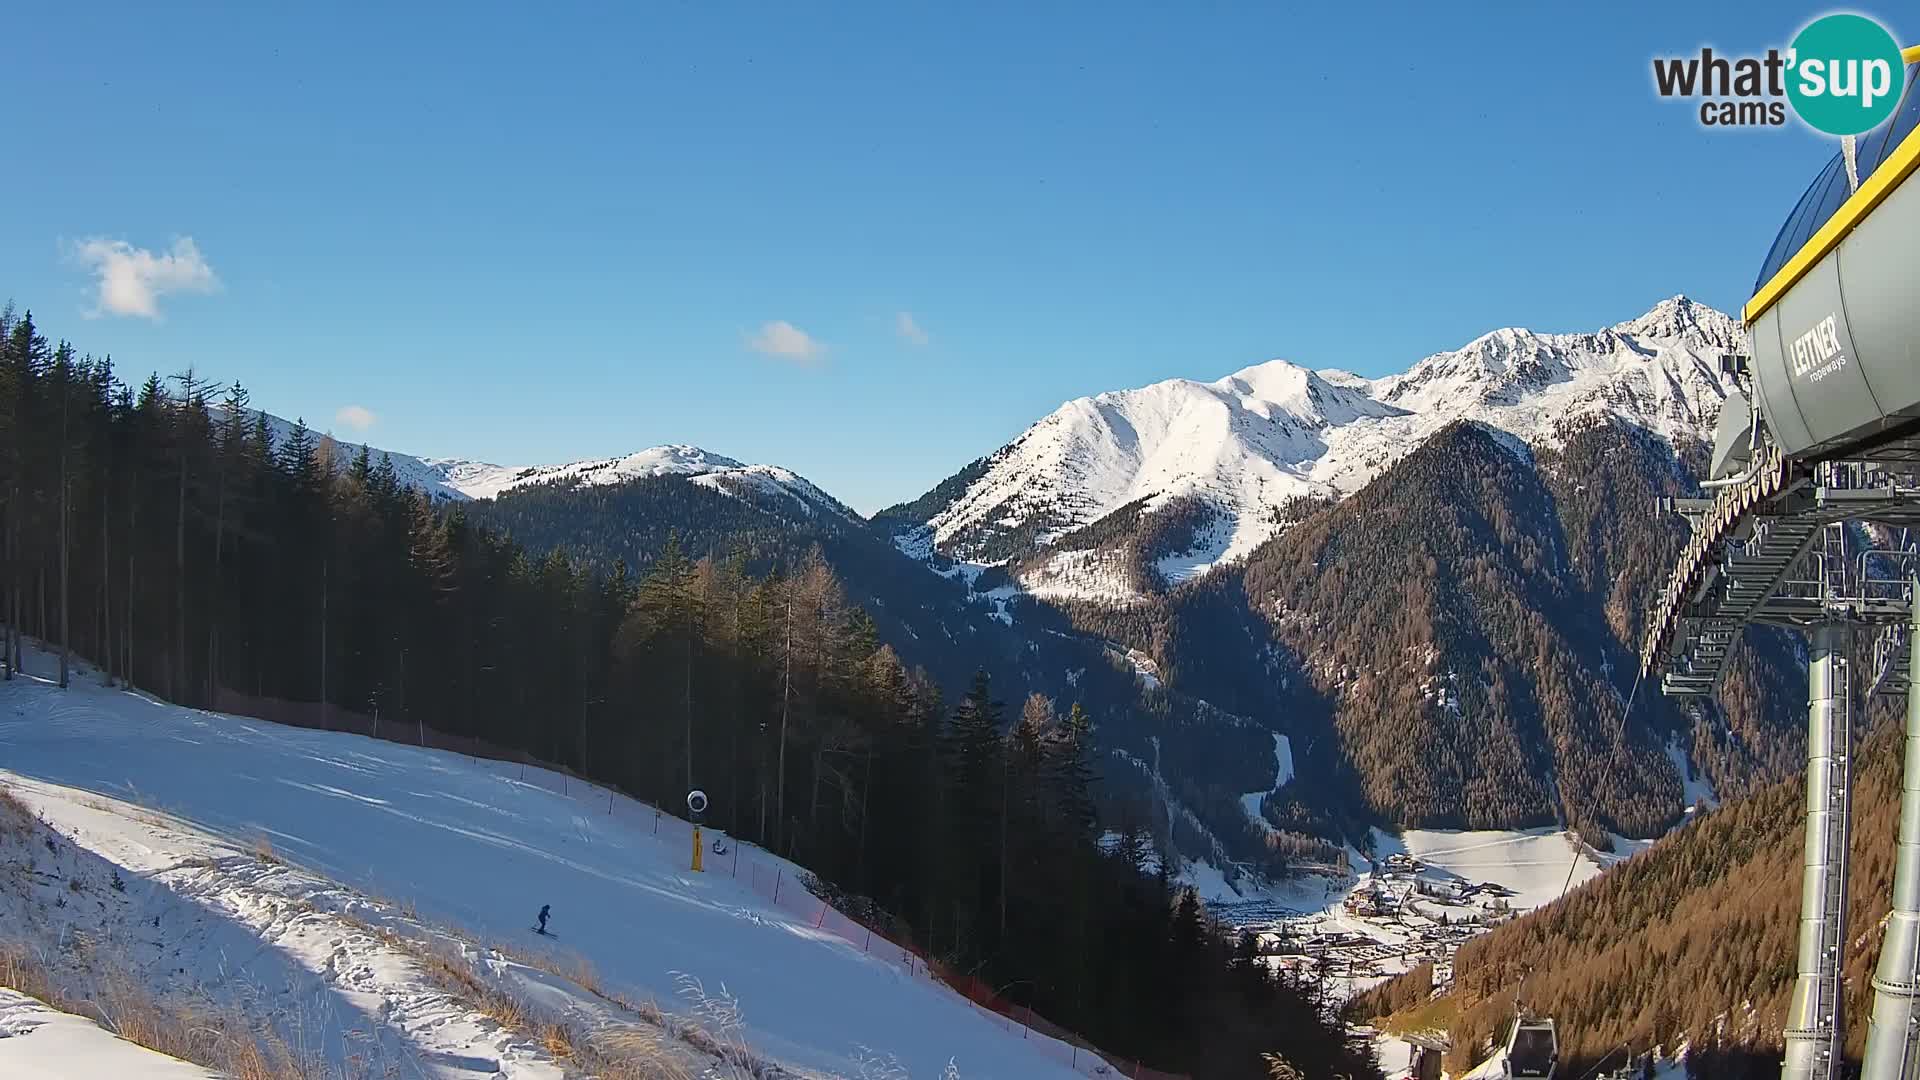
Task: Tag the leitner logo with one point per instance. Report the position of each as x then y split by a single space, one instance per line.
1820 347
1842 75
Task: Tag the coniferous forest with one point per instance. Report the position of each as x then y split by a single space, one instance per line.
160 530
1690 942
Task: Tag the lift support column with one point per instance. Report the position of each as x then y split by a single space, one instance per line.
1891 1037
1813 1035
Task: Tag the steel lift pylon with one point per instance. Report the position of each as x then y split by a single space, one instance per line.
1811 522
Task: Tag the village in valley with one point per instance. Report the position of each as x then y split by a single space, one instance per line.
1401 911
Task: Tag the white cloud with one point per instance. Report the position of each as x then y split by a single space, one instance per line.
132 280
786 341
357 417
909 330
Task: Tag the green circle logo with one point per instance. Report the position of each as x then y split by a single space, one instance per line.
1846 74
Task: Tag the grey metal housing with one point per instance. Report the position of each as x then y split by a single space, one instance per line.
1732 437
1818 404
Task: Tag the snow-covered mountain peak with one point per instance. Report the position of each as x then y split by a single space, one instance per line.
1280 387
1680 318
782 487
1242 442
674 458
1659 370
461 479
1243 445
1343 377
481 481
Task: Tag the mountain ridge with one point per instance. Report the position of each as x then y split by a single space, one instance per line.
458 479
1510 399
1245 444
1242 445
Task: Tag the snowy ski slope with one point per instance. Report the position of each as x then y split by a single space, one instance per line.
480 847
39 1041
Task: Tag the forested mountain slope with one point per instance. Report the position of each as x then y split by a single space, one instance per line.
951 625
1689 941
1456 641
1447 646
1452 640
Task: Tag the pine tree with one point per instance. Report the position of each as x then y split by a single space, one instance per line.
27 356
973 775
9 492
1072 773
62 381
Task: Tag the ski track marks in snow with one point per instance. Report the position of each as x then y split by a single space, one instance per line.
472 846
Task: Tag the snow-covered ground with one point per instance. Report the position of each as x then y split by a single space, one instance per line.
1283 772
1534 864
39 1042
1696 789
1537 864
1144 668
415 840
193 916
1088 574
1394 1056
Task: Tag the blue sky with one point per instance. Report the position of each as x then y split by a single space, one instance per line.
532 233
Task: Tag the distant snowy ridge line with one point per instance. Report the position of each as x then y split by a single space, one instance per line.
461 479
1246 444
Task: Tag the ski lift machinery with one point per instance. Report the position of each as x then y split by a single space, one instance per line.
1822 437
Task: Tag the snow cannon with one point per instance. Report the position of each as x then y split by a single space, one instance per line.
696 805
1833 320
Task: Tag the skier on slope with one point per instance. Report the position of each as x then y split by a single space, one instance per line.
542 928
